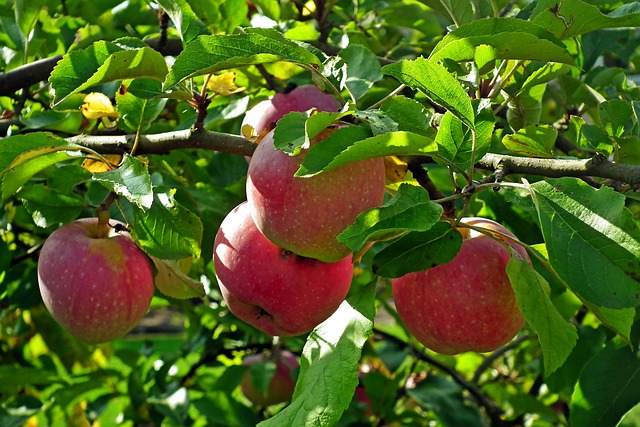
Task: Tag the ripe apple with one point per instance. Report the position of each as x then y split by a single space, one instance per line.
466 304
264 115
305 215
94 280
282 384
271 288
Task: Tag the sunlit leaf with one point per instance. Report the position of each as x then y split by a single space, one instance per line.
592 240
329 365
339 151
409 210
437 83
557 336
608 387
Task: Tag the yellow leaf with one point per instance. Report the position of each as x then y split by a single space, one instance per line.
395 168
97 105
224 84
94 165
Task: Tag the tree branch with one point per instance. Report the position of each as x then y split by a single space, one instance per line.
162 143
597 166
503 165
26 75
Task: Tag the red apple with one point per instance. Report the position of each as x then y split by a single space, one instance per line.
94 280
305 215
264 115
466 304
271 288
282 384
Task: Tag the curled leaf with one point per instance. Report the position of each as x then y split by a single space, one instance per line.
97 105
224 84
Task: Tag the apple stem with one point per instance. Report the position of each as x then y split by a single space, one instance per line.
102 211
276 347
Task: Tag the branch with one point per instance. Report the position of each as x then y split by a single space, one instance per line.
503 165
493 411
597 166
162 143
26 75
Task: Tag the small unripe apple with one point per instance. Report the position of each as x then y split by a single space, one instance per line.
466 304
282 384
271 288
94 280
305 215
264 115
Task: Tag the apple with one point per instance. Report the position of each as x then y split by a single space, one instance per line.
466 304
282 384
271 288
94 280
305 215
264 115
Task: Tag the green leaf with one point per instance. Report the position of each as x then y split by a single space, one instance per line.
172 282
362 70
295 130
485 58
20 376
616 116
544 74
329 365
408 210
618 320
339 151
571 18
460 11
48 206
557 336
446 399
182 16
437 83
208 54
418 250
532 141
30 163
131 180
590 342
261 374
592 240
26 14
609 386
16 146
510 38
137 113
104 62
409 114
378 121
525 109
455 139
167 230
270 8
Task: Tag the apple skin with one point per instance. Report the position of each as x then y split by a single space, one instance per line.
94 281
264 115
281 386
305 215
466 304
272 289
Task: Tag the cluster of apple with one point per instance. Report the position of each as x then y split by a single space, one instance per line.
281 269
276 257
277 260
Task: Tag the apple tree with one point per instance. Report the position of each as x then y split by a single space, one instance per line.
441 226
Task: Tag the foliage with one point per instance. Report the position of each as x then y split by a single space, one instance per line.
526 112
